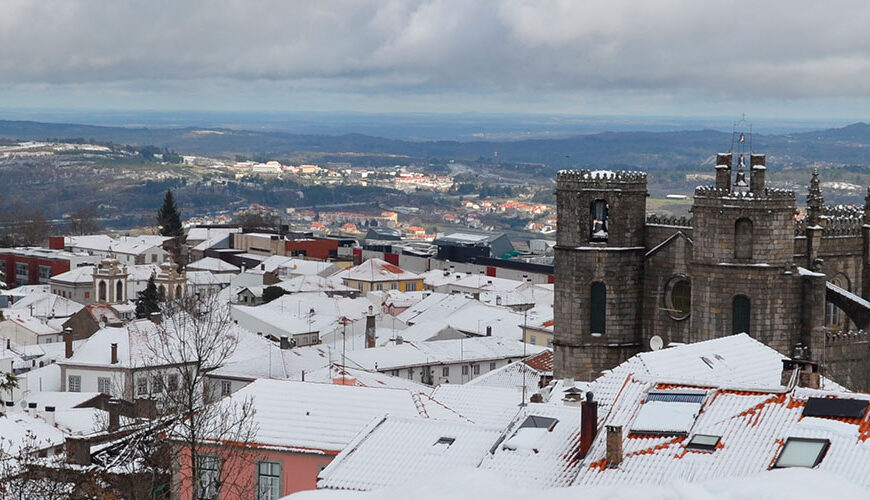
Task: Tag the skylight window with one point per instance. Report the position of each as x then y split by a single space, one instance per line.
538 422
802 452
442 444
835 408
703 442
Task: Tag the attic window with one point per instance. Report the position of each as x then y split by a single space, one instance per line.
538 422
835 408
703 442
442 444
802 452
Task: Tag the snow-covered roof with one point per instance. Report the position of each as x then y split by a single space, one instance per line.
409 354
752 427
45 305
214 265
512 376
132 245
313 283
81 274
538 457
375 270
199 234
19 430
421 446
489 406
291 314
318 418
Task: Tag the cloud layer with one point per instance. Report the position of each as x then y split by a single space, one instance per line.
721 50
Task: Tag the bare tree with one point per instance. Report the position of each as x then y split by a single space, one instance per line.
84 221
25 475
194 339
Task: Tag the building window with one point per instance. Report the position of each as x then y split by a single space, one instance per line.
445 371
141 386
832 315
597 308
172 382
87 295
157 383
533 339
101 291
411 286
743 239
154 257
465 369
598 221
410 373
209 477
226 387
394 286
492 365
21 269
75 383
268 481
476 369
44 273
104 385
802 452
740 314
678 297
119 292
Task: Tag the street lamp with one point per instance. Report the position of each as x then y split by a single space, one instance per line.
524 308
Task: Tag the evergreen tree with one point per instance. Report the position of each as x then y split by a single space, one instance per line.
168 218
148 301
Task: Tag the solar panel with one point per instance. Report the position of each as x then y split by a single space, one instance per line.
835 408
676 396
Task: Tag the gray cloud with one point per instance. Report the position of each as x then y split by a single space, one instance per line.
722 50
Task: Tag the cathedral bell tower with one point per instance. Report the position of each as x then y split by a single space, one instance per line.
599 258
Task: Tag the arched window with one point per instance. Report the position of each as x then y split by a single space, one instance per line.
119 292
161 292
678 297
743 239
740 314
177 292
598 308
598 221
101 291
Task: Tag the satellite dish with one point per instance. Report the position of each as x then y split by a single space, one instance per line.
656 343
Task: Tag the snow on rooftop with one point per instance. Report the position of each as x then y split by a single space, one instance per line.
321 418
422 447
213 264
374 270
666 417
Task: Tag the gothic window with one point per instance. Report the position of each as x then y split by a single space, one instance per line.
678 297
119 292
743 239
598 226
177 292
101 291
740 314
598 307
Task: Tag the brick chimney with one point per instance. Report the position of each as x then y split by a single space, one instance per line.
371 337
67 341
588 423
114 415
614 445
78 451
114 353
808 372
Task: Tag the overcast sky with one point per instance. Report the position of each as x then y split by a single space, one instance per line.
788 58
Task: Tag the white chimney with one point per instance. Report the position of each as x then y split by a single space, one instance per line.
48 415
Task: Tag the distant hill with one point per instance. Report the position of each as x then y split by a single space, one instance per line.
642 150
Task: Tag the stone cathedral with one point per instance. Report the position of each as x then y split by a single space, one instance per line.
626 281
